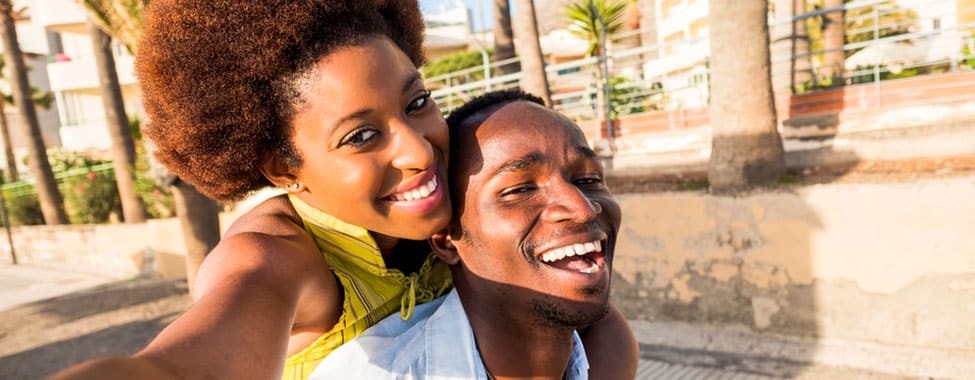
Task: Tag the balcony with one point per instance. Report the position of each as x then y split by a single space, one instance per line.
82 74
62 16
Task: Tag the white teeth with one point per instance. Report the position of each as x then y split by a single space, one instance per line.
578 249
419 193
593 268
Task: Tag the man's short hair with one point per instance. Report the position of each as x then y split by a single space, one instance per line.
493 99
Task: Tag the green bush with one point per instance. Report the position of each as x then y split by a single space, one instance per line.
91 198
23 210
456 62
157 200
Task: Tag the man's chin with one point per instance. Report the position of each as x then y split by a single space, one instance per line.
555 312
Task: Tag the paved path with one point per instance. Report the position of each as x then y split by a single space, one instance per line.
93 316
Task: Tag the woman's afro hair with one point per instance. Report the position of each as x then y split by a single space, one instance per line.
216 77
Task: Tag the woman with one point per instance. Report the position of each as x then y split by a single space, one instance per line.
323 99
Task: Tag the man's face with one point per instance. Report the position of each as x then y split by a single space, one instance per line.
537 223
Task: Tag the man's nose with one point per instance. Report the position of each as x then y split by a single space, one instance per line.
568 203
413 150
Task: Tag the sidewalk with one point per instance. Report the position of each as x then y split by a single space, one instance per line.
92 316
26 283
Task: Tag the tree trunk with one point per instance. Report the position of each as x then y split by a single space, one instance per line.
123 147
8 145
834 36
746 148
199 218
504 42
532 61
52 205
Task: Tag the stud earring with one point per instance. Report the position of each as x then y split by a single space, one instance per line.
294 187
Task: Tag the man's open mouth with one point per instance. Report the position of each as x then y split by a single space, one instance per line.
586 258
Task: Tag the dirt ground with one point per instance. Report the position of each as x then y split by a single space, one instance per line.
41 338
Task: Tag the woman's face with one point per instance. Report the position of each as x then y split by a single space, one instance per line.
373 143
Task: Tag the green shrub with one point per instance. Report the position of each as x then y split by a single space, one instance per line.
23 210
157 200
91 198
456 62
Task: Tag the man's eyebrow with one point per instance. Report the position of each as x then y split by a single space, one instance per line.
519 163
586 152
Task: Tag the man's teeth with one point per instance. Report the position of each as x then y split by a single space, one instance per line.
578 249
419 193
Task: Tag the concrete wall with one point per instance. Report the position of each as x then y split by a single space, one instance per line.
122 250
890 263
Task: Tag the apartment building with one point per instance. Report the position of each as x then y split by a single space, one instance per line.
74 77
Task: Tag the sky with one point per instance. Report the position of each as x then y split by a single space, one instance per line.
480 10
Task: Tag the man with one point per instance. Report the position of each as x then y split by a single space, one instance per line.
530 248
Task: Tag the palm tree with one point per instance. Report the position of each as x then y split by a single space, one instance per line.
198 214
41 99
52 204
595 21
532 62
746 148
504 42
123 147
834 36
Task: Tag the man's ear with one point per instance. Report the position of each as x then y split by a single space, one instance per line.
277 170
444 246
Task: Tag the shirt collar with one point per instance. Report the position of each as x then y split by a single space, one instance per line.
452 350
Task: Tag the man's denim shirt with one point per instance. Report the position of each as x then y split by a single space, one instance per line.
436 343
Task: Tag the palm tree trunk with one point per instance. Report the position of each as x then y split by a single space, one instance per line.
199 218
746 148
52 205
123 147
8 145
504 42
834 36
532 61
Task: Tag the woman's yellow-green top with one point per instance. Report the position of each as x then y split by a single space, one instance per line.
372 292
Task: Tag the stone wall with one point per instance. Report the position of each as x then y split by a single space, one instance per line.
892 264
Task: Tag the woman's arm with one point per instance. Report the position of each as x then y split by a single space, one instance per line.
611 348
247 293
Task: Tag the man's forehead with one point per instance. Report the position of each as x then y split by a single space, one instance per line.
515 120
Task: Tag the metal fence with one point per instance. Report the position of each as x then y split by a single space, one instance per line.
881 40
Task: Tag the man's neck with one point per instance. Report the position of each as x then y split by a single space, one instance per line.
511 348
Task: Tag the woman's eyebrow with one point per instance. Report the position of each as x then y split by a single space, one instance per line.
411 80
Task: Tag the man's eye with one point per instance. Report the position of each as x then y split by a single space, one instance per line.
588 181
517 190
359 137
418 103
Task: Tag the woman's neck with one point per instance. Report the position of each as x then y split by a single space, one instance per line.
407 256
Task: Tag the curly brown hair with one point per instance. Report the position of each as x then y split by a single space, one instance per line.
220 77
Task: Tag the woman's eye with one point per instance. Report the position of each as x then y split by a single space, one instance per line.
359 137
418 103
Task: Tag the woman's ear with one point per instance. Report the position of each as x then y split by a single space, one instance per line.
279 173
444 247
